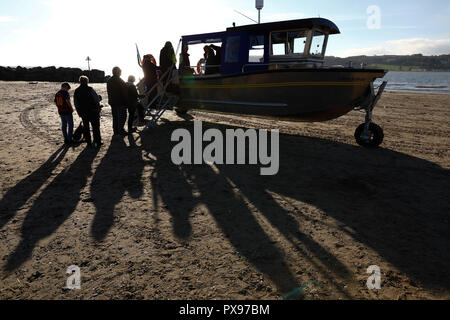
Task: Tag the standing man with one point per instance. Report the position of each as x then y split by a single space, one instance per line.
65 110
87 103
117 99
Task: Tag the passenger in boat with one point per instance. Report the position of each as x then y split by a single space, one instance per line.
213 59
218 56
185 62
209 58
117 98
167 58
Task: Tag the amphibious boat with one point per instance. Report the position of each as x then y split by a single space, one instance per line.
277 70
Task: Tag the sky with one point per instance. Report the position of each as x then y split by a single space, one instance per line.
64 32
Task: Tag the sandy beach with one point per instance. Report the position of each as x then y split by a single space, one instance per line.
140 227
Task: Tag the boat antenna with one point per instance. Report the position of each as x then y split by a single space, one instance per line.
259 4
246 16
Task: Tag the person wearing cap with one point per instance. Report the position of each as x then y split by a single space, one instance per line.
117 99
65 110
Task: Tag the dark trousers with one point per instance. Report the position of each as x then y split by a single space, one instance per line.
119 114
94 121
131 113
140 111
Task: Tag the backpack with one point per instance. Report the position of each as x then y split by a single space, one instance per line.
59 99
61 103
78 134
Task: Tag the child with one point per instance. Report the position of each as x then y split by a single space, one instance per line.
65 110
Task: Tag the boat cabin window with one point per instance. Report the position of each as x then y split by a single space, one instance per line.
288 42
256 50
279 43
297 41
205 57
232 49
317 43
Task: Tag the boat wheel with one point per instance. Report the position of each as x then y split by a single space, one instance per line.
371 139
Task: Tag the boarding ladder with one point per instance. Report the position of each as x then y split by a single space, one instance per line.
162 101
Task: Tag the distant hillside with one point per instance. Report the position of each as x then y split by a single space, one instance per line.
416 62
51 74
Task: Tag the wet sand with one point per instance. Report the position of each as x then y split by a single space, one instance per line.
140 227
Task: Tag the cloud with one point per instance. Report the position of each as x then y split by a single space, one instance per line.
7 19
402 47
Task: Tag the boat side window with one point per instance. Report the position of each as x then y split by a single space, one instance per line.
317 43
256 49
297 41
232 49
279 43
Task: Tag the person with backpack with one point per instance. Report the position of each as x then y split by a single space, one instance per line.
65 110
87 104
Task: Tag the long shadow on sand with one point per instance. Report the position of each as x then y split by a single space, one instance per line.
18 195
396 204
53 206
119 171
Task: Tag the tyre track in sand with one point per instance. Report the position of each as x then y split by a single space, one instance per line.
30 120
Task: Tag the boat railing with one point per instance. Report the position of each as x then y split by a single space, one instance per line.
162 83
209 66
278 65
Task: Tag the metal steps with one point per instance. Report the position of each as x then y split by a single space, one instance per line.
162 101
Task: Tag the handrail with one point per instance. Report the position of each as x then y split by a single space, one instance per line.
209 66
276 64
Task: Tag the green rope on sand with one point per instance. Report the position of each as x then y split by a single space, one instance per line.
299 290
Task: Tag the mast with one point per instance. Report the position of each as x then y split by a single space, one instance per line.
259 4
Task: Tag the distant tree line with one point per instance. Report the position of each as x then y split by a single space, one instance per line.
50 74
415 62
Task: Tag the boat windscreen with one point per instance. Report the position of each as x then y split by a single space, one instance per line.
317 43
297 41
289 42
279 43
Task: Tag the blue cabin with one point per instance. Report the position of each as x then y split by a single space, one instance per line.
278 45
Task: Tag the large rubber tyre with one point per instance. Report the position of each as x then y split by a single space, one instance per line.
376 136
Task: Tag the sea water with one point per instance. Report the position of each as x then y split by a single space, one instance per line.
418 82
